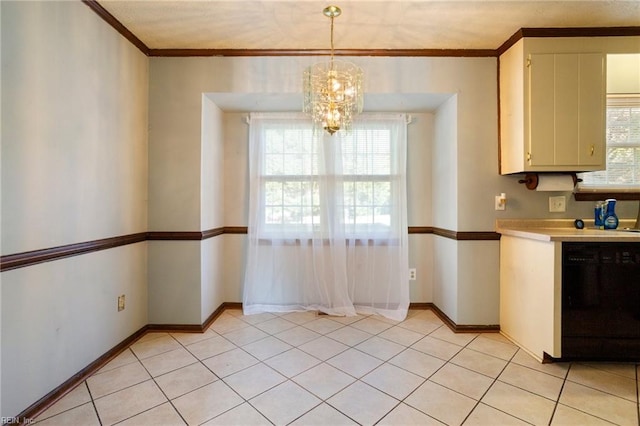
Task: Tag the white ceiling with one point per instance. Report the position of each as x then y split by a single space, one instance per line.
364 24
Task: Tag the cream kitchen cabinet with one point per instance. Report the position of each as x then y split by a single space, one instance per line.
552 109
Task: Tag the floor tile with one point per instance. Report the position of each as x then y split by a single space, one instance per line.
349 336
254 380
226 323
564 416
266 348
297 336
380 348
117 379
599 404
354 362
292 362
275 325
184 380
371 325
323 348
128 402
519 403
393 380
533 381
436 347
147 348
300 317
417 362
189 338
408 416
441 403
76 397
461 380
460 339
84 414
420 325
484 415
323 325
604 381
324 415
125 357
244 336
229 362
493 347
557 369
256 318
346 320
168 361
363 403
401 335
210 347
479 362
164 415
285 403
206 402
242 415
362 367
324 380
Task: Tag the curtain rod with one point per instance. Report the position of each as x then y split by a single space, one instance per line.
247 119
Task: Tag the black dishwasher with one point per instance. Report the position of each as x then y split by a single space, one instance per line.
601 301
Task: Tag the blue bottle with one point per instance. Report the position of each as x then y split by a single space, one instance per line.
609 217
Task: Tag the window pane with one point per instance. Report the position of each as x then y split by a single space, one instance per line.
623 146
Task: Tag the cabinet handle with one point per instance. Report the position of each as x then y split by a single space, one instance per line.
592 150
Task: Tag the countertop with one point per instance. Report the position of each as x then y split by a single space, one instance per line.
564 230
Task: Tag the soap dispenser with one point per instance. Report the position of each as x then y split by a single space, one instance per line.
609 217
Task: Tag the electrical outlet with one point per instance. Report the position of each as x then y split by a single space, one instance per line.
501 202
121 303
557 204
412 274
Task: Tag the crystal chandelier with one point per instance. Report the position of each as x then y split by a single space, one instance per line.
333 93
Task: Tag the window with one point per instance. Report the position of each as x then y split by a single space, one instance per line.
623 146
303 193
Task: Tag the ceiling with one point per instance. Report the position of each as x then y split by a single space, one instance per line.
364 24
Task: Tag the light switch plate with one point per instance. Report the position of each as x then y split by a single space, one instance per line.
557 204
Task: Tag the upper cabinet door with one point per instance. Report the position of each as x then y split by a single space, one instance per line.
566 110
552 108
592 95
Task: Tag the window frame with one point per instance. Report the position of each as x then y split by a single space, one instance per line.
599 192
291 231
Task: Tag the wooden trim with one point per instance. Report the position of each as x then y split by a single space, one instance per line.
117 25
467 235
236 229
174 236
19 260
464 328
421 230
55 395
599 196
473 53
568 32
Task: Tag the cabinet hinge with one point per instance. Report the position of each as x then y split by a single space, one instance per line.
529 157
528 62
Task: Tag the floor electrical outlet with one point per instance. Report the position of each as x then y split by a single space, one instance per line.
412 274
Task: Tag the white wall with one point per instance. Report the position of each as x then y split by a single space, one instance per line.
74 169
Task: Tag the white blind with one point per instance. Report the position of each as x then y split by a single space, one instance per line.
623 146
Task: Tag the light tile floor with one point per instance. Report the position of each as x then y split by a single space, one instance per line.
309 369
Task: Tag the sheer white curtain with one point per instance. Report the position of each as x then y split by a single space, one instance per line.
327 217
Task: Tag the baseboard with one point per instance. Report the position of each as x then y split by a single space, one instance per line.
49 399
463 328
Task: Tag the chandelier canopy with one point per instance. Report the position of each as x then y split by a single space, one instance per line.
333 93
